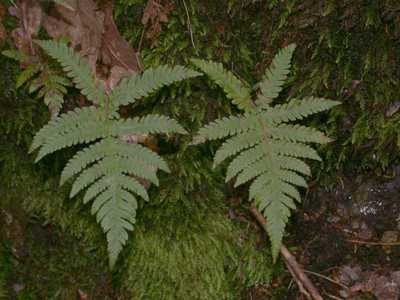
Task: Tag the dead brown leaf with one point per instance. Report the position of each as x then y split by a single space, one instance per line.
3 32
155 13
82 295
116 53
30 16
82 23
94 32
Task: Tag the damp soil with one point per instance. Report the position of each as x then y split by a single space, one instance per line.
345 236
40 262
354 228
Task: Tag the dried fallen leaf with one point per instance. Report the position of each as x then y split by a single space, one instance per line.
82 23
30 16
154 14
385 289
116 53
82 295
3 32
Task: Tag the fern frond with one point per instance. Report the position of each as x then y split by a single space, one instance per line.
234 145
150 124
298 133
294 149
233 87
139 86
298 109
16 55
110 165
293 164
76 124
110 147
85 133
54 100
277 213
77 69
275 76
267 151
27 74
252 171
115 210
108 168
292 177
242 161
228 126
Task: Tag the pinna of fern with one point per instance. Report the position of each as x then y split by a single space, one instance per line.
104 166
268 150
42 80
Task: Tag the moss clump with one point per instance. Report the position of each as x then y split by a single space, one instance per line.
186 247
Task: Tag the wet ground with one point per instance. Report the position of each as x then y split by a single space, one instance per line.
349 237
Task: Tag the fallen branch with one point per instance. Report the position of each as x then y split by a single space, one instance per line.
304 283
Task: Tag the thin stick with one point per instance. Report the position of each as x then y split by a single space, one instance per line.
141 39
189 24
327 278
293 266
297 280
373 243
333 297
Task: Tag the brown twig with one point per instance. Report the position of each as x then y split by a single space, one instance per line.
327 278
189 25
333 297
374 243
302 280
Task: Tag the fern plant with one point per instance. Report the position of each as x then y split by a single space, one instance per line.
268 150
104 166
40 78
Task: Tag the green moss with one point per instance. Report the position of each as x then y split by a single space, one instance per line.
334 53
183 254
186 247
5 270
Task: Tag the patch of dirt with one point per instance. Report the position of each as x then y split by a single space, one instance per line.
55 266
351 229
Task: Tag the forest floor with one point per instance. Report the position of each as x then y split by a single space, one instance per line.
349 238
346 237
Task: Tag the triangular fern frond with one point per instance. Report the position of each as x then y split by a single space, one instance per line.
108 168
139 86
275 76
267 150
115 210
77 69
233 87
277 213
